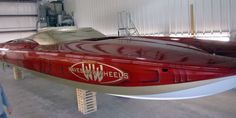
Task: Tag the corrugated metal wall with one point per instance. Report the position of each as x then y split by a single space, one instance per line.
17 7
158 16
17 16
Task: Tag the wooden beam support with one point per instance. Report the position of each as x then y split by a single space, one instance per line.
86 101
192 20
17 73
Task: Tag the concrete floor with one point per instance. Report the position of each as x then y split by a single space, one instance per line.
34 97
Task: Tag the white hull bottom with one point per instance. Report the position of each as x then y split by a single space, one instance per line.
202 91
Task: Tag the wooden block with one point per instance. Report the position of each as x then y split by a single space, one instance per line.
86 101
17 73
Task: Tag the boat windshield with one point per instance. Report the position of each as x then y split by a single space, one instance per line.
56 36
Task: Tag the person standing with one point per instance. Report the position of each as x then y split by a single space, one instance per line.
4 103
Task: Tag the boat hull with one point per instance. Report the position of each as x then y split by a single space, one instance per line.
137 67
162 92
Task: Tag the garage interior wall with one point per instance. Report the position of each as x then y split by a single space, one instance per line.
14 22
158 17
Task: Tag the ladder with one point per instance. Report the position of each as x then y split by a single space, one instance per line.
126 26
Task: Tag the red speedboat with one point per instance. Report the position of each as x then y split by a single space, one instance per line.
136 67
